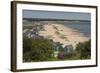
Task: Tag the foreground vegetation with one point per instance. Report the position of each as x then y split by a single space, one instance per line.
84 50
35 50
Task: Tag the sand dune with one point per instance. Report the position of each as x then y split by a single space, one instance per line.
63 34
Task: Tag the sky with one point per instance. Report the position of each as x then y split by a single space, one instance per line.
56 15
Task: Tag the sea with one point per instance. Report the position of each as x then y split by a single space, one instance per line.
83 27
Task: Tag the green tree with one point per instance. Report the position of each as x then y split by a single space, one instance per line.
84 50
40 50
27 44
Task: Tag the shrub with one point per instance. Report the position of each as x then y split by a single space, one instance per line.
37 50
84 49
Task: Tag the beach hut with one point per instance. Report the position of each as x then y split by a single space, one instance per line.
56 47
68 49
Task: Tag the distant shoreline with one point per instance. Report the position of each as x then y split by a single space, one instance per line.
44 19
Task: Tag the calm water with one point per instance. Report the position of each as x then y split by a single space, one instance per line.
83 27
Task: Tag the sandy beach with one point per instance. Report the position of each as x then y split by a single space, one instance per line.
63 34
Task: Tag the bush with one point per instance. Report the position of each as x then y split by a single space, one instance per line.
37 50
27 44
84 50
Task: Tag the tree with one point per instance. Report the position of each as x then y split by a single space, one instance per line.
40 50
27 44
84 49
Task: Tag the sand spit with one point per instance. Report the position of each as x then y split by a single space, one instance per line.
63 34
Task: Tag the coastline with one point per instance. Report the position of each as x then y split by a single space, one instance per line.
62 34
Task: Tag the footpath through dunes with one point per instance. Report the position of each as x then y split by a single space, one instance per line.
63 34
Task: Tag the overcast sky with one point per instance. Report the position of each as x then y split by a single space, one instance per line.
56 15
